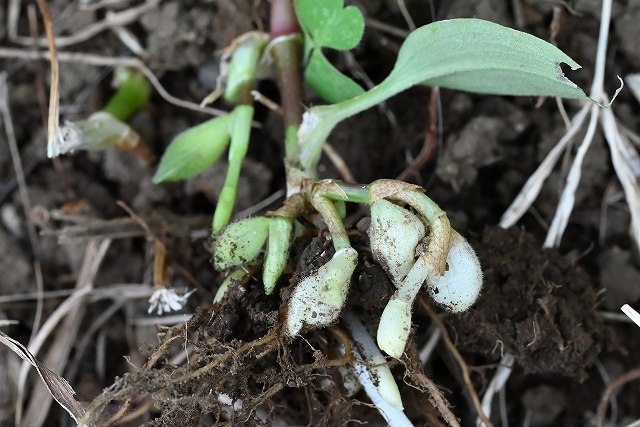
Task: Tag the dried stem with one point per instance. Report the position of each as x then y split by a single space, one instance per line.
633 375
456 354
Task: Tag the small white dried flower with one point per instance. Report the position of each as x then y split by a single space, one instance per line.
166 300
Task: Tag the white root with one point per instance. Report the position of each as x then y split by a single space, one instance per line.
374 374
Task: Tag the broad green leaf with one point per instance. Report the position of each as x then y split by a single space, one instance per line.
194 150
483 57
465 54
329 24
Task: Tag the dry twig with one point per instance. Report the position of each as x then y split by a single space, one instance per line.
613 388
456 354
114 19
111 61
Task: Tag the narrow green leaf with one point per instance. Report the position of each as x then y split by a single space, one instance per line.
329 24
329 83
244 63
278 249
194 150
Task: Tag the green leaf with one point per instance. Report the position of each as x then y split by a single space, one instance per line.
194 150
329 83
483 57
329 24
465 54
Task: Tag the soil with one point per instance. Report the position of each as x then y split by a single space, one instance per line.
555 311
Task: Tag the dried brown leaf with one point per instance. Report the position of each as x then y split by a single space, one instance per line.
59 388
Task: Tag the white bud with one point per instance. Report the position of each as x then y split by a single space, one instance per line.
395 322
460 285
394 234
318 299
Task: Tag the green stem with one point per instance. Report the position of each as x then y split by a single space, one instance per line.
133 92
327 209
240 132
341 191
324 118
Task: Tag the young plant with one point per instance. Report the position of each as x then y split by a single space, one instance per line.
108 127
410 235
464 54
327 24
195 150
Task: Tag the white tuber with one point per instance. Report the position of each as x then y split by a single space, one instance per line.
460 285
394 234
318 299
457 289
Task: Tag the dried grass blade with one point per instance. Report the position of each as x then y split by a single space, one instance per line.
567 199
59 388
626 163
532 187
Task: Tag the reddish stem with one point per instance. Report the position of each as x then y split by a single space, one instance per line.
287 52
283 18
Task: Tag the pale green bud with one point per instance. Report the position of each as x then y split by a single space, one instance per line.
460 285
244 62
194 150
318 299
395 322
394 234
275 261
240 242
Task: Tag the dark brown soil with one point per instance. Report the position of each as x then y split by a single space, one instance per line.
535 304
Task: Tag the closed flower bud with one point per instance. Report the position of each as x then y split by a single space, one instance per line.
460 285
240 242
394 234
318 299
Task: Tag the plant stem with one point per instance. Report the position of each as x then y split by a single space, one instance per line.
287 52
328 116
240 132
133 92
342 191
327 209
